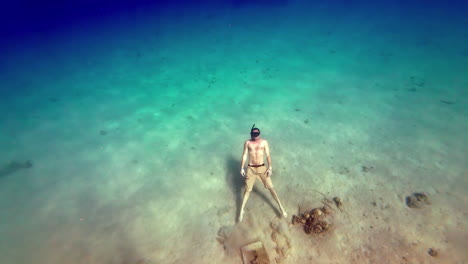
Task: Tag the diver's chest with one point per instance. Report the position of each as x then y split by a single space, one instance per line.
256 147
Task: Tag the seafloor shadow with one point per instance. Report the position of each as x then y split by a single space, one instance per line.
267 199
235 181
236 184
13 167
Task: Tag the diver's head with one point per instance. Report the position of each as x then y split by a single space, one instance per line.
254 132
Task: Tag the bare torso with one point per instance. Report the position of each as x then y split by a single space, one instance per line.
256 151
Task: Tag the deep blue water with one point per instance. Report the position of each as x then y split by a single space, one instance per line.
26 17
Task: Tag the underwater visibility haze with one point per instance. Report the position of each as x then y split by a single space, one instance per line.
123 124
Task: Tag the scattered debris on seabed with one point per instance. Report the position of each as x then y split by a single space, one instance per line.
433 252
255 253
317 220
417 200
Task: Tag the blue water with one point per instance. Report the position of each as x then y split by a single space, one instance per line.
122 125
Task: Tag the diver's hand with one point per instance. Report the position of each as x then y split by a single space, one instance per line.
242 172
269 172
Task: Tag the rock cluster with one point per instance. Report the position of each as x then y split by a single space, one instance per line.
314 221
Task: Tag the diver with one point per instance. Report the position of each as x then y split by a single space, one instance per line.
256 147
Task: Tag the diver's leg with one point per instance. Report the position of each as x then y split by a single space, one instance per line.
269 185
275 196
250 178
244 201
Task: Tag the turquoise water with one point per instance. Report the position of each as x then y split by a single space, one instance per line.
121 134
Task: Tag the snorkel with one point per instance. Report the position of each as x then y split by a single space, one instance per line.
254 134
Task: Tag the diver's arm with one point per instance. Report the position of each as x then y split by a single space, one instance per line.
267 152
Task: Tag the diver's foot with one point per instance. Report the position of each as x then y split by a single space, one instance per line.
285 215
241 215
